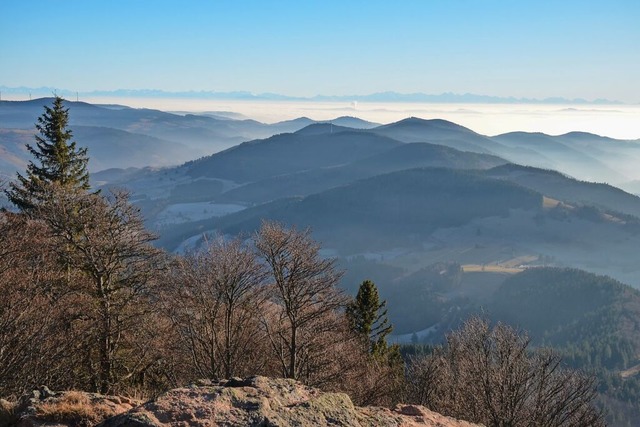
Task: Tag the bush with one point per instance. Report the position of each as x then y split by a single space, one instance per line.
487 375
74 408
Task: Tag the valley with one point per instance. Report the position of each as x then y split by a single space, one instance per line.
390 192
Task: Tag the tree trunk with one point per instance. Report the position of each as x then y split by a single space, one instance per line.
105 342
293 350
227 343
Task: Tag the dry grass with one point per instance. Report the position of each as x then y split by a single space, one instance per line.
520 260
136 395
75 408
7 413
490 268
549 203
632 371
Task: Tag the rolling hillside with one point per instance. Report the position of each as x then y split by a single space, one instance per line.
405 156
119 136
394 209
567 306
289 153
440 132
579 161
561 187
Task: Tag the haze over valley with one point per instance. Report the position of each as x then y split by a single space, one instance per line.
536 199
239 171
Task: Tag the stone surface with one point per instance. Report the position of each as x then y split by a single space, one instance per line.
261 401
255 401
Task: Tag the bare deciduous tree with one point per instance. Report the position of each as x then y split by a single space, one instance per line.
34 344
304 292
106 241
214 298
488 375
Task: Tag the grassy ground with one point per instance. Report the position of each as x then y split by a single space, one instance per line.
490 268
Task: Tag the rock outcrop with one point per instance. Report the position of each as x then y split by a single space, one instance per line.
261 401
255 401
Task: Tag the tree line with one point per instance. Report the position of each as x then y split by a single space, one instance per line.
89 303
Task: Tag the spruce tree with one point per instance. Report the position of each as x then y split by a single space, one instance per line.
59 161
368 317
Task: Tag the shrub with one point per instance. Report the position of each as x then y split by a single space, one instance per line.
76 409
488 375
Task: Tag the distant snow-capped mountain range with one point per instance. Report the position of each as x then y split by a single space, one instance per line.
388 96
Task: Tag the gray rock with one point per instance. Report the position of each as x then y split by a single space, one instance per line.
260 401
129 420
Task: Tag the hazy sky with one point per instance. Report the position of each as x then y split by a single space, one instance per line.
536 49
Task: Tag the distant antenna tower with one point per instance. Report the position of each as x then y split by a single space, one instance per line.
76 96
29 96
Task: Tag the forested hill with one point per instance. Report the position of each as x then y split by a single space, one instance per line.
592 320
288 153
397 158
120 137
562 187
569 307
388 209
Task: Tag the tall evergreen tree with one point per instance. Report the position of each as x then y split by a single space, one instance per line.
59 161
368 317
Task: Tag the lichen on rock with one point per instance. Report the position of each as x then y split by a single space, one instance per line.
268 402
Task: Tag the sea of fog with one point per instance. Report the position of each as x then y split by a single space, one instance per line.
620 121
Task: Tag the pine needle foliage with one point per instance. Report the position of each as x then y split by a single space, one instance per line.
368 317
57 160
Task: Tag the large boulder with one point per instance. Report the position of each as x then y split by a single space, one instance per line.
261 401
254 401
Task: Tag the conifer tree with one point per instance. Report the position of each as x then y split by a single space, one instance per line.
368 317
58 161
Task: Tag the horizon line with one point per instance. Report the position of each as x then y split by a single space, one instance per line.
239 95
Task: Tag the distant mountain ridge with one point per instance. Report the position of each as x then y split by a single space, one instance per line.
584 156
121 137
388 96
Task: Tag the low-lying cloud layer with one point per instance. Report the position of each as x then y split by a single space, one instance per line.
616 121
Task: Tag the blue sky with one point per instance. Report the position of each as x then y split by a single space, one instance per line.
536 49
